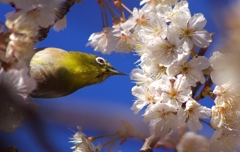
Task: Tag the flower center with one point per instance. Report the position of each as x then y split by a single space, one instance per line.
186 32
173 94
150 99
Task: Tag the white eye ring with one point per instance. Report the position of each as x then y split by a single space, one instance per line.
100 60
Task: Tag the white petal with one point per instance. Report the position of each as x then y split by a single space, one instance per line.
187 43
205 112
161 129
137 106
194 124
200 63
194 76
173 69
181 116
197 22
201 38
219 78
138 91
165 84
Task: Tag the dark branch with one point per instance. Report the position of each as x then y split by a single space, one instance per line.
60 12
208 83
202 51
207 123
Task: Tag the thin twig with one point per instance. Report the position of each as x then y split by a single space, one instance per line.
107 135
102 13
110 147
4 25
111 10
121 10
105 14
110 141
124 6
207 123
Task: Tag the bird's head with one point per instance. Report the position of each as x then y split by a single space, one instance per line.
105 69
89 69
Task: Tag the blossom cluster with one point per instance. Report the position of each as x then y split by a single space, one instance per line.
166 36
17 38
82 143
168 40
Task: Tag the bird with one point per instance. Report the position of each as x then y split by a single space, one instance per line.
59 73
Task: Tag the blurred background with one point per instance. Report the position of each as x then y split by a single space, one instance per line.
99 108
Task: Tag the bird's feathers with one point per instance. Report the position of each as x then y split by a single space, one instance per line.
44 66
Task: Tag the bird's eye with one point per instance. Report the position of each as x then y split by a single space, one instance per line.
100 60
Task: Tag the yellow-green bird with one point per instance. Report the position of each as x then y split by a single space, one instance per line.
59 73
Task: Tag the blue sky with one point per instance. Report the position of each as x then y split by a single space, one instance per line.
97 108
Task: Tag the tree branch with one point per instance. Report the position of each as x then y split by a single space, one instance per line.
149 143
208 83
59 12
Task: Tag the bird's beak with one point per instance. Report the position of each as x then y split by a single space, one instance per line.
115 72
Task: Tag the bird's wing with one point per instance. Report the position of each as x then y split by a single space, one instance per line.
43 68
